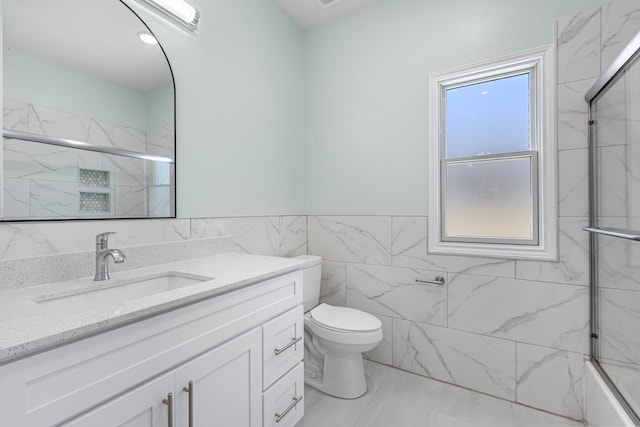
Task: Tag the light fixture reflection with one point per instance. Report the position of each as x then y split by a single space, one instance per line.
147 37
179 11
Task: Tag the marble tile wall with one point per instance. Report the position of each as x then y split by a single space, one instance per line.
33 253
42 181
496 326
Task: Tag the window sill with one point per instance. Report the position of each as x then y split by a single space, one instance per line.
486 250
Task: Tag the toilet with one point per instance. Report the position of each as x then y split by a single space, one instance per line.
334 340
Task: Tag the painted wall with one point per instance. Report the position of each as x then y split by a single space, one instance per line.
240 104
25 75
366 82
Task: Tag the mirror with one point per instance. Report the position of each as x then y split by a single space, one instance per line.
76 70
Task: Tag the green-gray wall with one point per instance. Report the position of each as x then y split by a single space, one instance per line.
45 83
272 120
240 109
366 85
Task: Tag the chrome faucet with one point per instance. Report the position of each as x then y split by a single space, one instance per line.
102 252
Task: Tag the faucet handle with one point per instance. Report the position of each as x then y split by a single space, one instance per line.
103 238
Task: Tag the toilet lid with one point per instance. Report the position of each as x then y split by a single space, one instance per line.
345 319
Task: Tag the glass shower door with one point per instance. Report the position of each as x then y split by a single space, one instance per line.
615 241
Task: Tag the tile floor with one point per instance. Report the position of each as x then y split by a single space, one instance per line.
400 399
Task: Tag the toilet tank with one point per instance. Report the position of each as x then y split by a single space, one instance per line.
311 278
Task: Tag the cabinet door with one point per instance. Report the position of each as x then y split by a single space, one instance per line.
226 385
140 407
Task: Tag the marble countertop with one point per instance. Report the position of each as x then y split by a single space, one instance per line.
28 326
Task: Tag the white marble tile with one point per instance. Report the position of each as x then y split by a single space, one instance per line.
620 22
160 201
521 310
16 201
550 379
573 265
161 142
528 417
573 183
252 235
130 202
462 408
129 139
612 181
611 116
321 410
94 161
409 249
15 115
334 283
293 236
403 399
478 362
29 160
125 171
22 240
619 323
383 353
54 199
578 41
363 239
573 128
618 261
49 122
393 291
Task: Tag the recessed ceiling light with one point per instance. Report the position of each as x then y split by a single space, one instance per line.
147 37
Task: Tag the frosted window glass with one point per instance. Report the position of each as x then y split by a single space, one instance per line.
491 117
490 198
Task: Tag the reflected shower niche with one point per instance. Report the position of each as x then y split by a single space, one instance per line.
88 122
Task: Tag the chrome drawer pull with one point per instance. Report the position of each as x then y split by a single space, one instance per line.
169 402
296 400
189 390
293 342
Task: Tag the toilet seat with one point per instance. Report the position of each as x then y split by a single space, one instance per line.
359 328
344 319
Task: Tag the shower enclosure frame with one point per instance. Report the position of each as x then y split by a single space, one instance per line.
628 55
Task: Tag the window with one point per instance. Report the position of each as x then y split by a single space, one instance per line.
492 159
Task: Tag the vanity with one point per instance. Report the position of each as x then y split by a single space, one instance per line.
221 344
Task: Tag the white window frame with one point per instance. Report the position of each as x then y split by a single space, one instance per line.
544 144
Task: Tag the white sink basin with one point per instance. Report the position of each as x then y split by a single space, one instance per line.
110 293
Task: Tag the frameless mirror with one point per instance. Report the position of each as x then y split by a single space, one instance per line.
88 113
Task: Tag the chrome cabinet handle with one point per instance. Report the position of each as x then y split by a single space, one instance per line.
439 280
169 402
189 390
293 342
296 400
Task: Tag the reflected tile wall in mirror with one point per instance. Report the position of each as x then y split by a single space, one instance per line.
43 181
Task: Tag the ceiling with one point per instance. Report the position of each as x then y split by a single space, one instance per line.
311 14
68 32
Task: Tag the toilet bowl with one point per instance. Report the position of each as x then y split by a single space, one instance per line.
335 338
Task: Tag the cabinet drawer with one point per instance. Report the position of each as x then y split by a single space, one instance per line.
282 344
283 403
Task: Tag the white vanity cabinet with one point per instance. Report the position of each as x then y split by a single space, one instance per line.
208 355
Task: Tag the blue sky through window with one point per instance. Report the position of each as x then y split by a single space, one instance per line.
488 118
